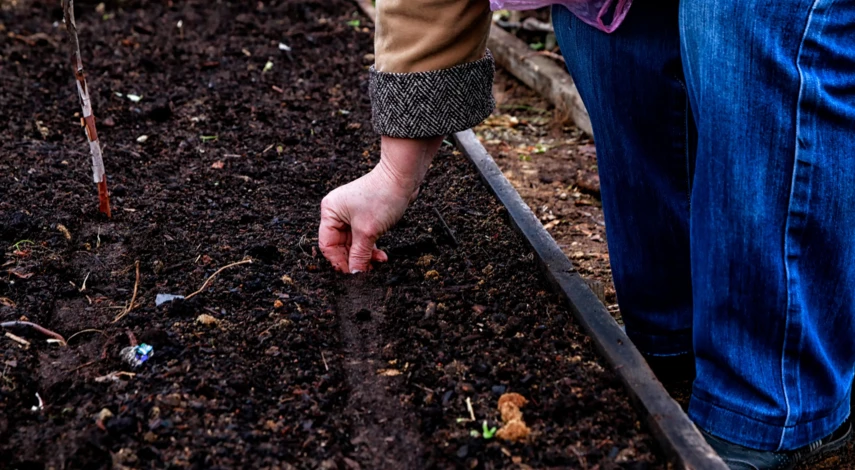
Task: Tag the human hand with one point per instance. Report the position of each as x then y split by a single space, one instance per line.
355 215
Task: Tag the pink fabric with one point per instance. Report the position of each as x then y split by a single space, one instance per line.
589 11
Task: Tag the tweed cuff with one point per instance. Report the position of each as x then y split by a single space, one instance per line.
434 103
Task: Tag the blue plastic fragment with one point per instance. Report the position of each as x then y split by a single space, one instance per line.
143 352
137 355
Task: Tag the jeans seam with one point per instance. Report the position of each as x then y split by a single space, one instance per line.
754 418
787 226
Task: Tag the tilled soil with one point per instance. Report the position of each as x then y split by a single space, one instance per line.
227 154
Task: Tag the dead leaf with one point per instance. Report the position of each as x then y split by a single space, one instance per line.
389 372
206 319
552 224
7 302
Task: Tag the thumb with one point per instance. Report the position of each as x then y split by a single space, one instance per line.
361 252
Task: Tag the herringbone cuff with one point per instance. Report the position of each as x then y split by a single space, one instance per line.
434 103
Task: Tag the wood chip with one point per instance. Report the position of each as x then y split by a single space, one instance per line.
18 340
114 376
64 231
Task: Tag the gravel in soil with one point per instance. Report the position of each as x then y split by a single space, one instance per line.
553 166
247 115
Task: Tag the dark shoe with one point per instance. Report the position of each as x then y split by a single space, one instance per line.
742 458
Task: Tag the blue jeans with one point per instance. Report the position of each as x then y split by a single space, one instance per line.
725 137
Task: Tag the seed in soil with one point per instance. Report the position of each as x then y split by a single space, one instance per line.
363 315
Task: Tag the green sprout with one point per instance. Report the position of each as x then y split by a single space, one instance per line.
18 245
487 432
208 138
354 23
537 46
539 148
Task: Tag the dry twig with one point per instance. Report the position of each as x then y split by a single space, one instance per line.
211 278
98 173
18 339
446 227
133 297
88 330
40 329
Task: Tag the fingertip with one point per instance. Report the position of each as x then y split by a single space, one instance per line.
379 256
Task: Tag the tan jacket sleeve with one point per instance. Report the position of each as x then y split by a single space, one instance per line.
432 74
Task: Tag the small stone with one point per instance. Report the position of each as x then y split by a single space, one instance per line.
467 388
626 455
363 315
104 415
278 304
431 275
430 310
206 320
150 437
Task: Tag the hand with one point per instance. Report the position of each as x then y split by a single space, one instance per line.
355 215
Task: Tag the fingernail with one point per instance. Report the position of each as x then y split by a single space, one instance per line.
355 271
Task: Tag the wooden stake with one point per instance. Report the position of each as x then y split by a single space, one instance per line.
98 173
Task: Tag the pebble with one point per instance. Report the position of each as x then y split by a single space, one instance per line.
430 310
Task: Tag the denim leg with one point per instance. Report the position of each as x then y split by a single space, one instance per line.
772 87
632 84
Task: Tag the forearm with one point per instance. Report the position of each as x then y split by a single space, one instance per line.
404 162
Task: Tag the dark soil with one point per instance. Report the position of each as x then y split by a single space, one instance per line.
303 367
